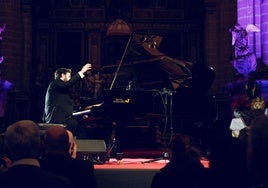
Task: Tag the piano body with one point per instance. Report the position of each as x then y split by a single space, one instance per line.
139 82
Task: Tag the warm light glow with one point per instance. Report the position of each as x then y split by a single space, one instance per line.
118 27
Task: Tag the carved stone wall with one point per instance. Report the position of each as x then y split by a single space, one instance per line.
220 16
17 51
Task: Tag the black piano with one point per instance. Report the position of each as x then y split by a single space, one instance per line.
146 81
144 72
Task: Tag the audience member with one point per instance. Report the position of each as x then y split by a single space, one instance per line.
5 161
227 163
23 140
184 170
227 156
257 152
59 157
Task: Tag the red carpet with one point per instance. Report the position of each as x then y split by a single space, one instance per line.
137 163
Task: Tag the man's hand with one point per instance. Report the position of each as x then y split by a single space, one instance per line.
86 68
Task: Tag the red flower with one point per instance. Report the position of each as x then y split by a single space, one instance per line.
241 102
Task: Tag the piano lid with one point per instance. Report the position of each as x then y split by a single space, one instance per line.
144 66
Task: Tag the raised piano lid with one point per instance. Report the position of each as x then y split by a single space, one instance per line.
147 67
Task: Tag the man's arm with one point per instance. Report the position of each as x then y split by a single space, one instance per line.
85 68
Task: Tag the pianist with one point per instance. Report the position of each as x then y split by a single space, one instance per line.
58 102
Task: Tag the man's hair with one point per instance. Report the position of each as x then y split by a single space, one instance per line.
182 145
56 140
23 140
60 71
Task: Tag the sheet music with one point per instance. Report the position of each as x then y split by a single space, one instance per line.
81 112
86 111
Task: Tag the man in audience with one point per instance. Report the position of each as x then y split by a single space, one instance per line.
59 157
184 169
23 140
257 152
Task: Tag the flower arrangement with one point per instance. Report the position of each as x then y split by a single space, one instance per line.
241 102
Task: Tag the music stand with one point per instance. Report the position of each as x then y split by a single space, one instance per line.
168 94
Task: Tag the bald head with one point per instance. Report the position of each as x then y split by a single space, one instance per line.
23 140
56 140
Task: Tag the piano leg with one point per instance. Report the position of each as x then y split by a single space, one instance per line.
112 145
116 139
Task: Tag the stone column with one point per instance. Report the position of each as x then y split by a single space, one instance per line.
264 31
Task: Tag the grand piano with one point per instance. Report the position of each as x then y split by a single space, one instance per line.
148 83
146 67
144 72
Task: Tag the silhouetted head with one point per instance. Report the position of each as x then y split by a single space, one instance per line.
182 146
56 140
23 140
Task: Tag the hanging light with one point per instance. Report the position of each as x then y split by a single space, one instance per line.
118 27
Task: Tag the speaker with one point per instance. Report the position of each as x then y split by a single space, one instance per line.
94 150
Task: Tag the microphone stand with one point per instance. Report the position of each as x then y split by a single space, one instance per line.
168 118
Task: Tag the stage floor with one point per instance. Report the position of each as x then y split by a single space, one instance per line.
129 172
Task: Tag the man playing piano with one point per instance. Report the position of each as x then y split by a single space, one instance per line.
58 102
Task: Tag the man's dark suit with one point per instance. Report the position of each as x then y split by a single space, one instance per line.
59 106
79 172
32 177
59 103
